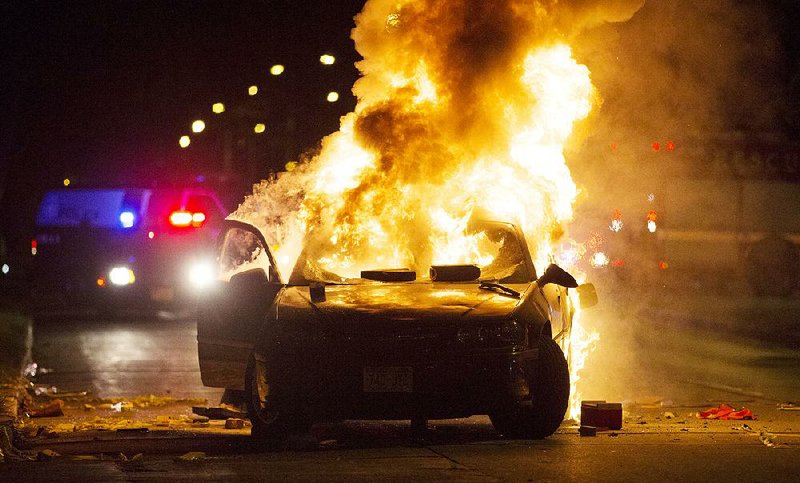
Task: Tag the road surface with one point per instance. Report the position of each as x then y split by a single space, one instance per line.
663 369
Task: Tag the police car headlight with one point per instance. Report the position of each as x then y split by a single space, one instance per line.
121 276
200 274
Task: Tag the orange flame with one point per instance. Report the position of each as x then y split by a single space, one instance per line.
464 109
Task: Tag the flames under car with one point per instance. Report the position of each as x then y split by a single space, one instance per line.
459 341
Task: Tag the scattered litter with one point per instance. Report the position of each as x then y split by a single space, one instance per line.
222 411
201 424
32 369
766 438
46 455
788 407
88 407
613 435
191 456
725 412
121 406
587 431
45 390
138 457
234 423
52 409
162 420
743 427
199 419
64 428
669 415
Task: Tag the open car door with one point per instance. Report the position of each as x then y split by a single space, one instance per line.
232 314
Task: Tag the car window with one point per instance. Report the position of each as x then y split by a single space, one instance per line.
242 250
95 208
500 256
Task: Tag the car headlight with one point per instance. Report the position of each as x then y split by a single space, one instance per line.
200 274
121 276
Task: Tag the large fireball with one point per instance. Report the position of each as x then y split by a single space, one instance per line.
464 108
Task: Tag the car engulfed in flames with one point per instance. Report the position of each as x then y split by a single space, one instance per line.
481 338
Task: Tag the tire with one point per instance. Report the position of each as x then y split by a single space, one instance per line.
540 414
268 423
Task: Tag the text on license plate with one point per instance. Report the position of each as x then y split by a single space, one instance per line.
388 379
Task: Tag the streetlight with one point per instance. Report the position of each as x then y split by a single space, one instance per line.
276 69
333 96
218 108
184 141
259 128
198 126
252 90
327 59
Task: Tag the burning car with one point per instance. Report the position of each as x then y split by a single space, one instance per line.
459 340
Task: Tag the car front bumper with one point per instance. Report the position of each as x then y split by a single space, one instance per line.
333 383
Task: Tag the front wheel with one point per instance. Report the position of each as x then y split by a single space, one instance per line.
268 424
540 414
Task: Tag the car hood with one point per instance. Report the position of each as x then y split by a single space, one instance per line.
412 302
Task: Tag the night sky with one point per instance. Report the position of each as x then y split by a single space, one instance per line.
101 91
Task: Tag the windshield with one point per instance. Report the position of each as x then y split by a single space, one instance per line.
500 255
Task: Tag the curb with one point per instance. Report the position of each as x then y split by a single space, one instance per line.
12 390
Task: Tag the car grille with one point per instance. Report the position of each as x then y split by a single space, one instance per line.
391 343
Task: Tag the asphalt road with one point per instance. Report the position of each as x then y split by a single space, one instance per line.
120 358
664 370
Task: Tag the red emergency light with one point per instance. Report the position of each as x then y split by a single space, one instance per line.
183 219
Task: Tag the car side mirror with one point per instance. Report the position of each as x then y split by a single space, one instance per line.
557 275
587 295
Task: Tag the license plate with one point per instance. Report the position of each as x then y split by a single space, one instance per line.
162 294
388 379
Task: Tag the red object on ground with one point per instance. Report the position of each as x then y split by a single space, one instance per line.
601 415
52 409
724 411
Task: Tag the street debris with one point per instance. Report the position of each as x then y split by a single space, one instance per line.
767 439
234 423
788 407
122 406
223 411
32 369
601 414
192 456
587 431
47 455
725 412
669 415
52 409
